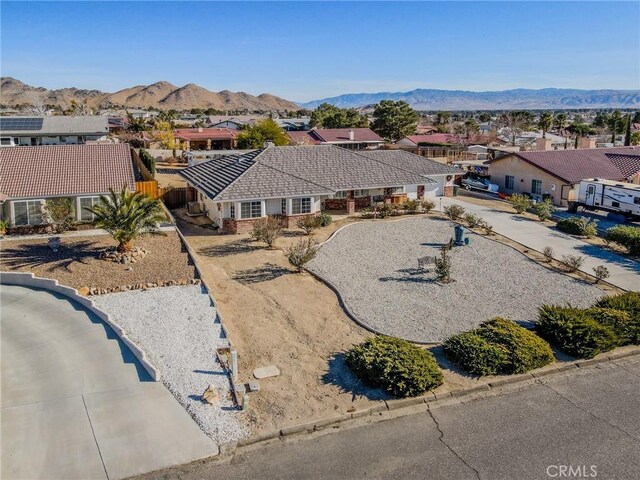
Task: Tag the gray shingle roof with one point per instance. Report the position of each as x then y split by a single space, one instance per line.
304 170
66 125
410 161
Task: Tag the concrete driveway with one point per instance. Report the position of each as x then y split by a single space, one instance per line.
75 401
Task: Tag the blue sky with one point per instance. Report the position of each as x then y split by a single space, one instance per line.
306 50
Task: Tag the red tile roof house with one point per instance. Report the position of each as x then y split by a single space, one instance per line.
554 173
297 181
31 175
206 138
351 138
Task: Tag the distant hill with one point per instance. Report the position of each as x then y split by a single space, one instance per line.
546 98
161 95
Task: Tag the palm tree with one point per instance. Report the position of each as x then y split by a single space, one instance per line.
545 123
127 215
136 124
560 122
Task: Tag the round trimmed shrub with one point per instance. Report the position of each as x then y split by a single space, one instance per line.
397 366
623 324
574 331
626 235
628 302
474 354
580 226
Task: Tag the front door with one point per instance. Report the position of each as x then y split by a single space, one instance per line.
591 195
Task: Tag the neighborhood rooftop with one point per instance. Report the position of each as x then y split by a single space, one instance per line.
336 135
63 170
303 170
53 125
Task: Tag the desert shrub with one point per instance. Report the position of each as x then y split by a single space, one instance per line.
572 262
411 206
367 212
383 210
544 209
266 230
474 354
519 202
395 365
574 331
488 229
548 253
473 220
59 212
325 220
396 209
427 206
443 264
302 252
601 273
580 226
627 236
628 302
626 327
309 224
3 226
454 212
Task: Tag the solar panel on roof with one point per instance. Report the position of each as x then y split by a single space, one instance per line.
20 123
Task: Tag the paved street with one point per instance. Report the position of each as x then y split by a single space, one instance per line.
625 273
582 419
75 401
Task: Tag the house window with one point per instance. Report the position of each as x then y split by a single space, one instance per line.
232 210
509 182
636 200
63 139
283 206
28 213
395 190
361 193
341 194
86 202
5 141
536 187
300 205
250 209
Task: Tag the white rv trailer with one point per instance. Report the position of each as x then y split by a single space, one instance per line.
617 197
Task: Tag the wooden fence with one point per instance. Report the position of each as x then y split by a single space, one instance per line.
177 197
148 187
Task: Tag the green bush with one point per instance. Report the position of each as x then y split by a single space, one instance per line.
628 302
544 209
574 331
474 354
395 365
520 203
411 206
454 212
498 346
626 327
148 160
427 205
627 236
309 224
473 220
325 220
580 226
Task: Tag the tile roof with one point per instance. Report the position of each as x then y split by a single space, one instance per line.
205 133
439 138
575 165
302 170
336 135
57 170
64 125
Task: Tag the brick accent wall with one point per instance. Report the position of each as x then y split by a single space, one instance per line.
448 191
351 206
289 221
233 226
335 204
420 192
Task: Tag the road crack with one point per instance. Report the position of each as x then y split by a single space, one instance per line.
588 412
441 438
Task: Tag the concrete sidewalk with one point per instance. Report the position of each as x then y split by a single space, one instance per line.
76 403
625 272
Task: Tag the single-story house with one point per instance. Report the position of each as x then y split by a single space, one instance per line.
31 175
297 181
52 130
351 138
206 138
432 139
293 124
554 173
234 122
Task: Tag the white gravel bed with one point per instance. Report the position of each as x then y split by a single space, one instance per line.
374 266
177 328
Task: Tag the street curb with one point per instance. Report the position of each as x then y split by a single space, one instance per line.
429 399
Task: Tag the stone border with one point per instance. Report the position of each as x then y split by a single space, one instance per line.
430 398
27 279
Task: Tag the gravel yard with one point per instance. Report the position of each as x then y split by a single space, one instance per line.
374 266
176 327
76 262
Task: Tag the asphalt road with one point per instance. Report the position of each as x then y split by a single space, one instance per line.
583 424
76 403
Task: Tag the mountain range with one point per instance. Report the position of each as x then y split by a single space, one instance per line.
161 95
546 98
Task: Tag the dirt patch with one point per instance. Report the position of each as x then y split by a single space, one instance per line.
76 262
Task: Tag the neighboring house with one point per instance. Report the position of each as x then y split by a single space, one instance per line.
351 138
55 130
294 182
554 173
529 140
206 138
233 122
428 140
31 175
293 124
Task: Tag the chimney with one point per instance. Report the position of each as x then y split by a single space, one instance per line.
543 144
352 136
587 142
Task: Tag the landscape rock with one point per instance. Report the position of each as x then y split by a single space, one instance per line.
266 372
84 291
210 395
